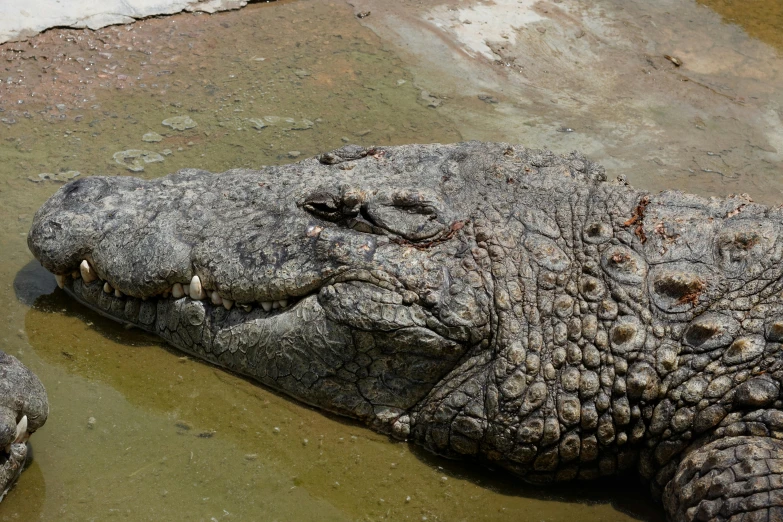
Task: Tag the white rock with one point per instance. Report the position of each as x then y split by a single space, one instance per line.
179 122
134 159
20 19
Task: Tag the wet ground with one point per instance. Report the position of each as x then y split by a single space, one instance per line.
138 432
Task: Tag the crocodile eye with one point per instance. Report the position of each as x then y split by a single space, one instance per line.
413 221
325 206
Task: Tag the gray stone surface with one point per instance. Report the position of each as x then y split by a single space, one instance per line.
484 300
20 19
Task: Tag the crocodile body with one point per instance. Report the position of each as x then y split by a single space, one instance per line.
484 300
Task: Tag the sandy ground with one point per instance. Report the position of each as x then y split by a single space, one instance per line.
663 93
596 77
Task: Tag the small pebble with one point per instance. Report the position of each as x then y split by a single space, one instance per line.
179 122
152 137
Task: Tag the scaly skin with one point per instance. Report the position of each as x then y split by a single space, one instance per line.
23 409
483 300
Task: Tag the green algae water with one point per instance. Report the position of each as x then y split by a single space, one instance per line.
136 430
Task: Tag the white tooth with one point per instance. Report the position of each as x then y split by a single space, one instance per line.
283 303
275 305
60 280
196 290
107 288
88 274
186 289
246 307
266 305
177 291
215 297
21 430
227 303
117 293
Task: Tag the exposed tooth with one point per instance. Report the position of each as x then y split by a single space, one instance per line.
117 293
60 280
266 305
186 289
283 303
177 291
21 430
196 291
107 288
215 297
245 307
275 305
227 303
88 274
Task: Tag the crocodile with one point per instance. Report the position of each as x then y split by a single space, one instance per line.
23 409
486 301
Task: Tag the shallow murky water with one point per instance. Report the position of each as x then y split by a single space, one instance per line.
138 432
762 19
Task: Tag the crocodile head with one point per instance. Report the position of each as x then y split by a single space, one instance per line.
23 409
349 281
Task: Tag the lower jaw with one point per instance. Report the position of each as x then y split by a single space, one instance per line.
12 463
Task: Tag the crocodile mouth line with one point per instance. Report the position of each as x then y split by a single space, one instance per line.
100 297
92 289
194 290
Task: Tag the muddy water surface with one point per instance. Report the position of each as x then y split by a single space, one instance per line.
138 432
